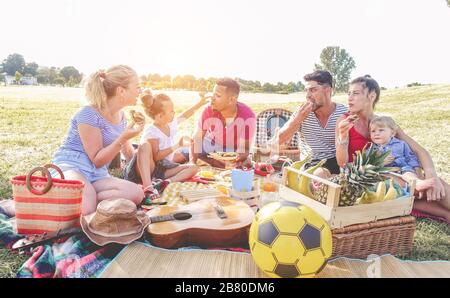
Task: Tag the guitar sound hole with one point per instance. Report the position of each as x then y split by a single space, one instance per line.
182 216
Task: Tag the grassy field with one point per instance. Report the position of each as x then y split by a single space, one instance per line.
34 122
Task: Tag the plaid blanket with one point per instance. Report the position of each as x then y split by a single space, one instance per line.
70 257
74 256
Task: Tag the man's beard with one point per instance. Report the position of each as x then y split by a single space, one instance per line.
315 107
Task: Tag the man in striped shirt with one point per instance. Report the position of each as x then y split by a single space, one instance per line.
316 120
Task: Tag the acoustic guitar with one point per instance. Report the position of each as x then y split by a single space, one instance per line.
220 222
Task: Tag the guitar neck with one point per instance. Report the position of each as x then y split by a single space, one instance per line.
161 218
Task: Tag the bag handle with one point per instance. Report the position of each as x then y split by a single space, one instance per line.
49 165
45 173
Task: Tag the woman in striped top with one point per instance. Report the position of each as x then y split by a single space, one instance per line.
97 133
351 136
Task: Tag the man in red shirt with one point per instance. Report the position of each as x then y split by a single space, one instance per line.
226 125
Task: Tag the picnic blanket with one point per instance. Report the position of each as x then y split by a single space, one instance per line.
143 260
77 256
74 256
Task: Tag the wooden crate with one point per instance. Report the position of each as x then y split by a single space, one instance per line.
339 217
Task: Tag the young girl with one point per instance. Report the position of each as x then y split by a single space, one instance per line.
160 138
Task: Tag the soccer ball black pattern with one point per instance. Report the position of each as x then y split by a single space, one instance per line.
288 239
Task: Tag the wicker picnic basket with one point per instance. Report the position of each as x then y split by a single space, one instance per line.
394 236
46 204
360 230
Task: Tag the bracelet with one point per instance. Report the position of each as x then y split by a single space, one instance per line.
344 142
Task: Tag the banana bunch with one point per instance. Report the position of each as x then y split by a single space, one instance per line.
380 194
305 182
292 178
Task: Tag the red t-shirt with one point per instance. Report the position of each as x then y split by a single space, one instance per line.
356 142
230 136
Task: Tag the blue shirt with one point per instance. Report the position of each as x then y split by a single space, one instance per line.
404 156
89 115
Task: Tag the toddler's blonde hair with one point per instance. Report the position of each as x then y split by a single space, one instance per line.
384 121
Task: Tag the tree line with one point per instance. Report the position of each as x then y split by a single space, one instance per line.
190 82
16 66
334 59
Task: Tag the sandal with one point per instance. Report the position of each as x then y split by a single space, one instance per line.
160 185
150 194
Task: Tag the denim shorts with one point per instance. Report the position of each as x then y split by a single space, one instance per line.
68 160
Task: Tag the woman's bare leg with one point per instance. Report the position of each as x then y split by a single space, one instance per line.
113 188
445 201
432 208
89 198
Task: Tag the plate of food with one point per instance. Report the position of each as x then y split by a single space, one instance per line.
224 156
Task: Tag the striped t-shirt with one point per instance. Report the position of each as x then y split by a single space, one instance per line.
89 115
320 140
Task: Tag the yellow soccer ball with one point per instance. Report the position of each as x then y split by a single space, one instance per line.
288 239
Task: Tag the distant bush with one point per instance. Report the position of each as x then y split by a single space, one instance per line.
59 81
414 85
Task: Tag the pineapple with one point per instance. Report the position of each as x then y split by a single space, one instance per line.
364 172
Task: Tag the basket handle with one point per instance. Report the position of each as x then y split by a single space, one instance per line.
50 165
45 173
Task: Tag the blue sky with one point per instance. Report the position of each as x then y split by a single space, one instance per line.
397 42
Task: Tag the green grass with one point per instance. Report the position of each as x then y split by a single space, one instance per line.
34 122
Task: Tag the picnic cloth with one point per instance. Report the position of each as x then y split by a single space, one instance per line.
74 256
144 260
418 214
77 256
70 257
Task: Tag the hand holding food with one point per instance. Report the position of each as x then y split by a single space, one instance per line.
345 125
305 110
137 117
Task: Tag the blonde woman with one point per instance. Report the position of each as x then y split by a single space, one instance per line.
97 133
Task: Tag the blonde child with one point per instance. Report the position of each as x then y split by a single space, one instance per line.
163 147
382 132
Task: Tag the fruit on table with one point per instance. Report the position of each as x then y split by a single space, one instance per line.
392 192
368 197
206 174
356 177
269 187
292 177
222 188
304 183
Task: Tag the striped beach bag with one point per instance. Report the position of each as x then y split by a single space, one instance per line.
46 204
